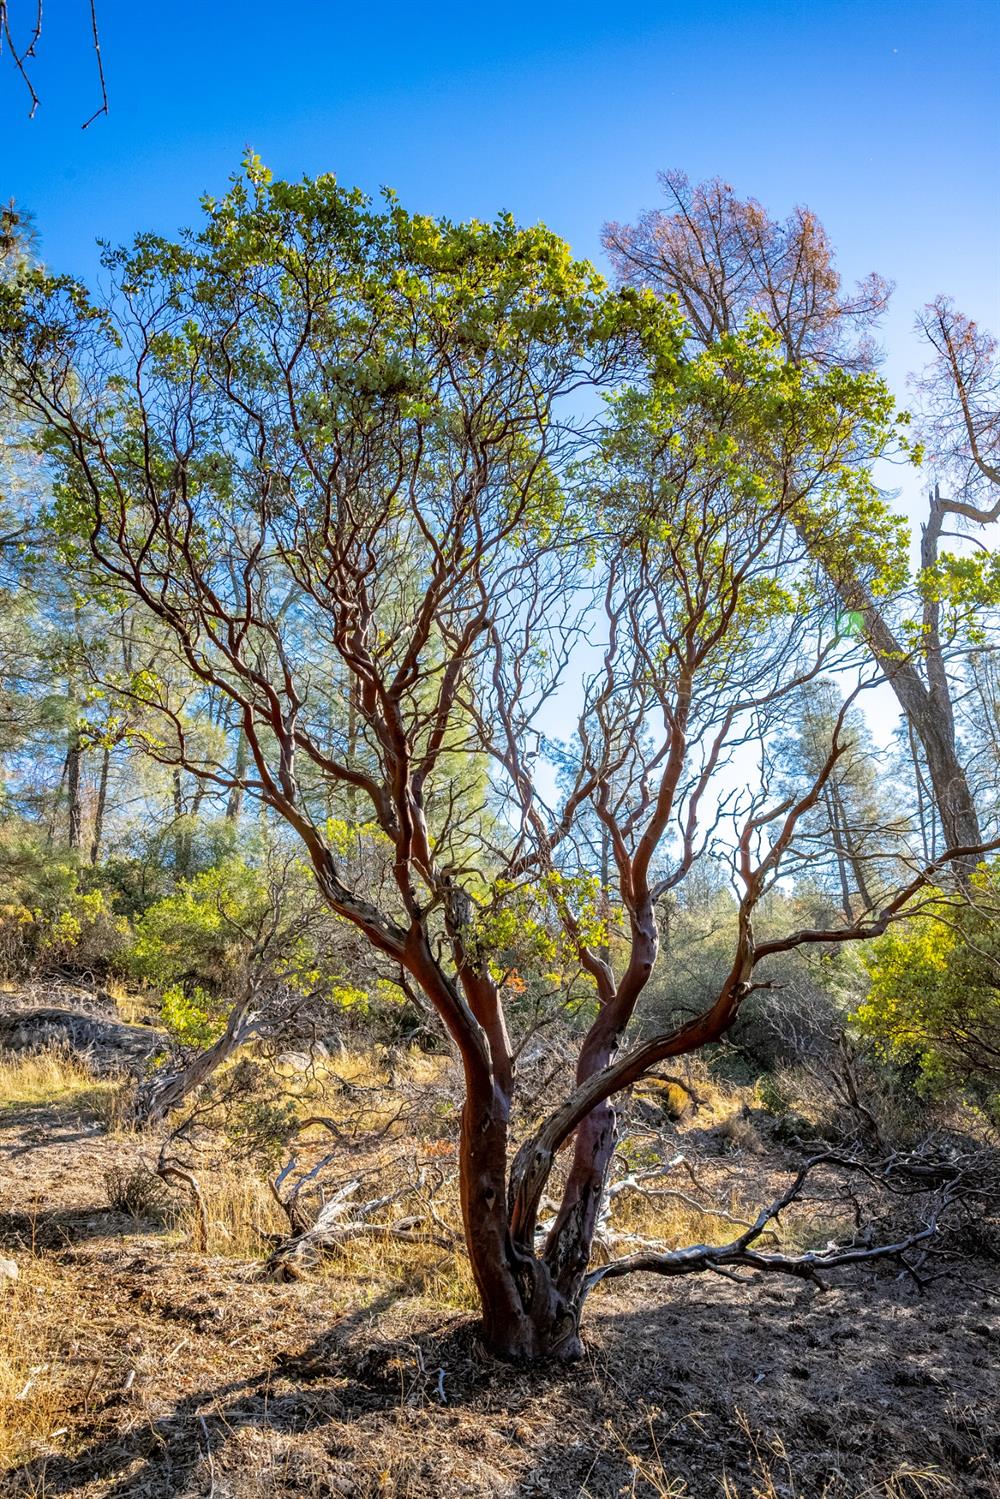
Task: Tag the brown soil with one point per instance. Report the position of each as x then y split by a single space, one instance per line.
180 1375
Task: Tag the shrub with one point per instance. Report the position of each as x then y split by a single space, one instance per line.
775 1096
934 996
195 944
194 1019
194 939
670 1098
136 1191
739 1135
53 915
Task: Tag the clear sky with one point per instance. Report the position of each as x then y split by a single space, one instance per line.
882 116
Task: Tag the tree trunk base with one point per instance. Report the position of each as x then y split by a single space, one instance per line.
553 1336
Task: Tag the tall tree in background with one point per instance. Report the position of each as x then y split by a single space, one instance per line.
959 422
68 758
21 697
724 258
960 417
721 257
846 839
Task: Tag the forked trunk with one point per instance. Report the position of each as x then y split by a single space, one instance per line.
571 1238
525 1315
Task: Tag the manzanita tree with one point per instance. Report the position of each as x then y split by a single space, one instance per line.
350 454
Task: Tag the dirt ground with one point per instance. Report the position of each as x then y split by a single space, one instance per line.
152 1371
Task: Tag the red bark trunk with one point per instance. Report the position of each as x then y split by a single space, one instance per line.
525 1317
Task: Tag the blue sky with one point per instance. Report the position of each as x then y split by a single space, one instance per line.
883 117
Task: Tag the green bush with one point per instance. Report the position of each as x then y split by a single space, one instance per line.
934 995
202 943
54 915
197 937
775 1096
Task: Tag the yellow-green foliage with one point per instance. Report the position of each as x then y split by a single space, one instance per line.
194 1019
671 1098
195 935
934 996
193 944
84 913
48 916
199 934
522 932
346 838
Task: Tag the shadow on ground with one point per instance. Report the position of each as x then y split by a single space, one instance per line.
60 1228
837 1395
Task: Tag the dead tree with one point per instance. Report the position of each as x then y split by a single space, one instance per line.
159 1095
341 1218
723 257
960 416
939 1184
330 451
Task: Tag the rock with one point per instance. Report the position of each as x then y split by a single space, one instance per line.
8 1272
110 1046
293 1061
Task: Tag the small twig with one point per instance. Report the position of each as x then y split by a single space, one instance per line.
208 1454
103 109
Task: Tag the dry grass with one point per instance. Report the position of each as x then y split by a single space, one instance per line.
774 1476
244 1220
802 1226
770 1471
126 1345
740 1135
56 1079
53 1077
674 1223
33 1393
245 1224
397 1128
134 1006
